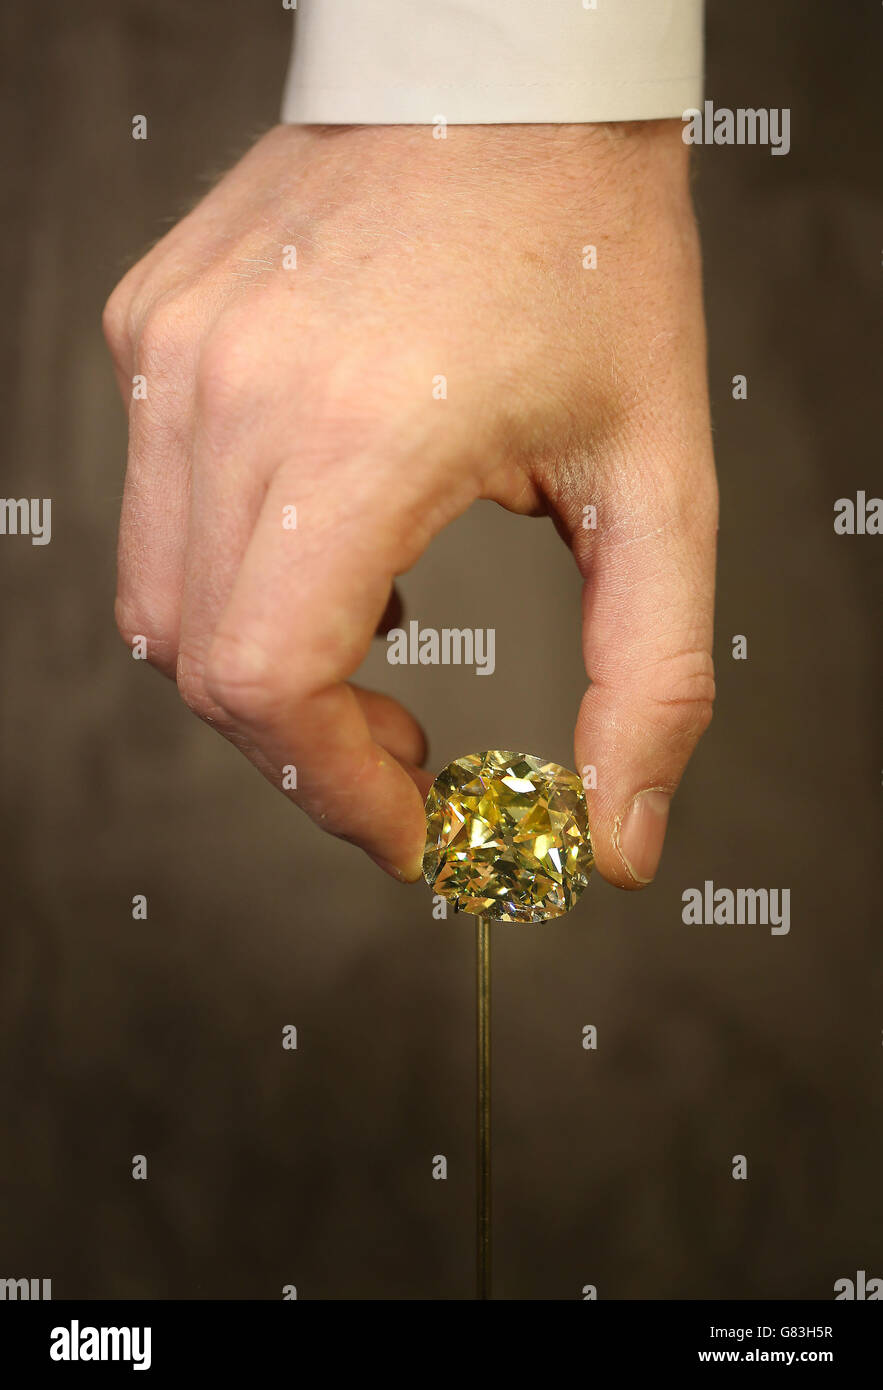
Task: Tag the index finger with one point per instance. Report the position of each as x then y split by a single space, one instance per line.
304 607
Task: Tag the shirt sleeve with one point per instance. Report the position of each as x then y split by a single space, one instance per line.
391 62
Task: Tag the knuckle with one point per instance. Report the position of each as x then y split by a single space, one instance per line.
191 685
685 692
136 622
167 337
240 678
115 323
224 378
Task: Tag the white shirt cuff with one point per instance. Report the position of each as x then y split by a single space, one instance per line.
402 62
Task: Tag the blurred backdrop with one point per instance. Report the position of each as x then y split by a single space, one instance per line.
163 1037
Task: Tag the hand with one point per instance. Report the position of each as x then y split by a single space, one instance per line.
270 387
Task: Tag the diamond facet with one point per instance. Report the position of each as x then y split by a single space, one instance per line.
508 837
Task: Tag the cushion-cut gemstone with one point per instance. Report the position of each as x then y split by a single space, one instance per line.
508 837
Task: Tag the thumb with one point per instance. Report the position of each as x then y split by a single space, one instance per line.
648 604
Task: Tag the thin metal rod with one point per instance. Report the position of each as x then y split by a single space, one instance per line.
483 1034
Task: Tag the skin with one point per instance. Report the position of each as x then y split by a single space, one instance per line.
269 387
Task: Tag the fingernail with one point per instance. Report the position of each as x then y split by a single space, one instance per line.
409 875
641 833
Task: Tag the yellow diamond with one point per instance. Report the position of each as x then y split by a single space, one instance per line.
507 837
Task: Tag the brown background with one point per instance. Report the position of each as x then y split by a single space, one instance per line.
163 1038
